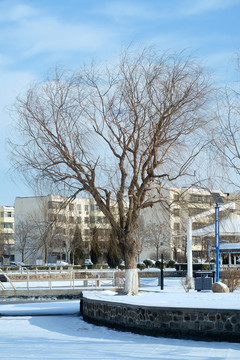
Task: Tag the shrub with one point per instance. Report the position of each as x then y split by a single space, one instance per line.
141 266
231 278
171 263
148 262
158 264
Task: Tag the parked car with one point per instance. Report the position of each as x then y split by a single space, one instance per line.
88 262
19 263
63 263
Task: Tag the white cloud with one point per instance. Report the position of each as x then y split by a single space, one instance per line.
172 9
49 35
198 7
15 13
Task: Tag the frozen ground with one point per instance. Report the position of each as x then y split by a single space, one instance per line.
64 335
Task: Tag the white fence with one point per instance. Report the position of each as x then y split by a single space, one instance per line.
40 279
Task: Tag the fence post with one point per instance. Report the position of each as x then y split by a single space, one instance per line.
50 280
28 279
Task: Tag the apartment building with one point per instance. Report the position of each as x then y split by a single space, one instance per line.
57 217
6 234
172 214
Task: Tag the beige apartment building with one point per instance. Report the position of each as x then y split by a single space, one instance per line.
165 222
52 222
6 234
172 213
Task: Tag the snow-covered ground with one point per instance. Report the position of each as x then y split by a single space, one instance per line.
63 335
172 295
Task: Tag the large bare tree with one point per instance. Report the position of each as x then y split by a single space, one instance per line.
115 132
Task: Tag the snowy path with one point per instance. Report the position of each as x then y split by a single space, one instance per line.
68 337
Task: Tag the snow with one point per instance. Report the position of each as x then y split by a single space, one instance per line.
54 330
173 295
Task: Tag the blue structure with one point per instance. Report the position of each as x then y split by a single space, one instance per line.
218 200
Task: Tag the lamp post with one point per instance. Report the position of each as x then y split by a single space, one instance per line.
217 240
218 200
209 255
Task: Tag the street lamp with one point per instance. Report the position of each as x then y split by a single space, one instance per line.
218 200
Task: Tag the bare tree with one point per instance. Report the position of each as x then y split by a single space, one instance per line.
159 239
115 132
23 239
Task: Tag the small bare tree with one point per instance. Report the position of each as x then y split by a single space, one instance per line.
159 239
23 239
115 132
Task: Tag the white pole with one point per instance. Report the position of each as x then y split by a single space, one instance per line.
189 252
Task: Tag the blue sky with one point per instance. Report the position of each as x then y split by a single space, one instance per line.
37 35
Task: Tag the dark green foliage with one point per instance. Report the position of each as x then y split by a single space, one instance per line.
96 251
171 263
158 264
77 247
114 254
196 267
148 262
141 266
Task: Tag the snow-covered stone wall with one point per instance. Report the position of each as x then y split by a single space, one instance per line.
199 324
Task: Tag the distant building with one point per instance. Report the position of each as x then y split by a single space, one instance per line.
6 234
51 215
172 212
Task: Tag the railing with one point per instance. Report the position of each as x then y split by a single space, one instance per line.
40 279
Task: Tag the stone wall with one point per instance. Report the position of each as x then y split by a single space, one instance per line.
198 324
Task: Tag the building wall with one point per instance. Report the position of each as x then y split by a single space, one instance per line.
6 234
172 212
53 209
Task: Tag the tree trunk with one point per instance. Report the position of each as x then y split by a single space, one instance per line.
131 274
46 254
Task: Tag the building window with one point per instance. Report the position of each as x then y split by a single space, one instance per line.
200 198
8 225
92 219
61 218
176 226
86 208
54 204
176 212
60 230
71 219
92 207
86 220
176 197
71 207
51 217
79 220
79 207
195 211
